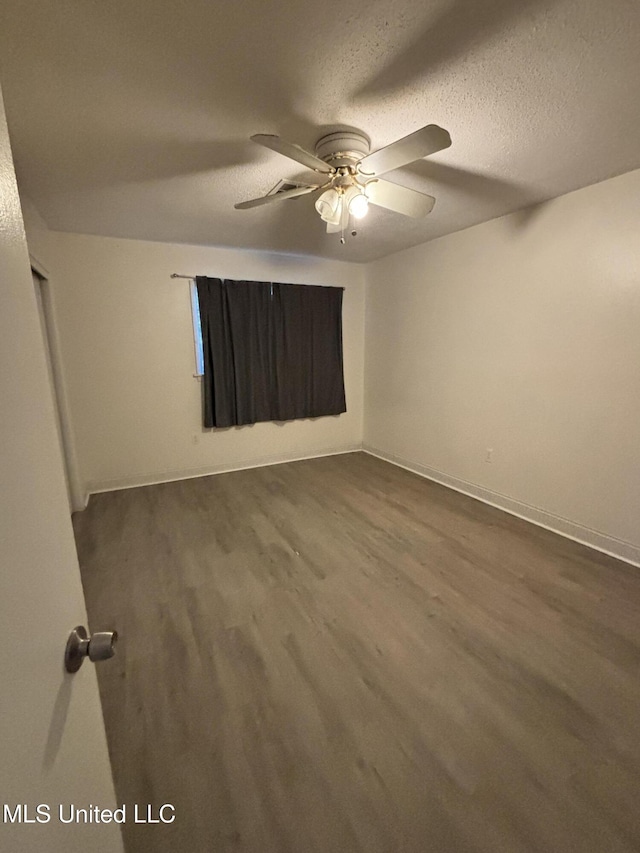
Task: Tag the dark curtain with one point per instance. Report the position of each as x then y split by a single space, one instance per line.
272 352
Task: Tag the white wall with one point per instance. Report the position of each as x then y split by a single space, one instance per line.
521 335
127 351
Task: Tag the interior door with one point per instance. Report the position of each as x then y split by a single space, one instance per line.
52 742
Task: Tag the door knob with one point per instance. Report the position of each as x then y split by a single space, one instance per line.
98 646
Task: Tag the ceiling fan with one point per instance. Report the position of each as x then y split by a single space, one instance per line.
349 175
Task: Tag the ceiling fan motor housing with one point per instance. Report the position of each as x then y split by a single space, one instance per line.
343 148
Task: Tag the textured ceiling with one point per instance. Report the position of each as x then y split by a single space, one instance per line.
132 119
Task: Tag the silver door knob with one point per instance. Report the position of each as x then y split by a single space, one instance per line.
98 646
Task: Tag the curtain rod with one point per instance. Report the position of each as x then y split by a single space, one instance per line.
193 278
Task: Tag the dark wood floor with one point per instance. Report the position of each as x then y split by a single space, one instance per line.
337 656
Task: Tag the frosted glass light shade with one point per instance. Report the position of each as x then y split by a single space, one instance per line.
328 206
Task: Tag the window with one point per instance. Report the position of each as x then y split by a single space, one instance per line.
197 330
271 352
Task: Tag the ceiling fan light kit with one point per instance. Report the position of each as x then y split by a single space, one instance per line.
350 176
334 201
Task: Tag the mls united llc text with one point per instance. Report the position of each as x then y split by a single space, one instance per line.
44 813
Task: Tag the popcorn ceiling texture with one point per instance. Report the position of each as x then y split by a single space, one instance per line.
132 119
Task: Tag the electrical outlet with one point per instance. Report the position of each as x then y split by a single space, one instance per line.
489 455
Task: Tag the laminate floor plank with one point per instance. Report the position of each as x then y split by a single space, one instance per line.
336 655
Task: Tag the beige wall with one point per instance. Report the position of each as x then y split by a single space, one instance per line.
521 335
127 352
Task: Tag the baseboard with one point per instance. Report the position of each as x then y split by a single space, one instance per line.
80 503
617 548
136 480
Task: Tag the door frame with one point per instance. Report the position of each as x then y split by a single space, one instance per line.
77 496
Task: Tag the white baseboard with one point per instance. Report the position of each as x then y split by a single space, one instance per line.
136 480
617 548
80 503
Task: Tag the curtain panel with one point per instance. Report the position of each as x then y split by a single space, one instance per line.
272 352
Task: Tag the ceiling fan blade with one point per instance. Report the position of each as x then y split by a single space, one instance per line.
417 145
266 199
400 199
294 152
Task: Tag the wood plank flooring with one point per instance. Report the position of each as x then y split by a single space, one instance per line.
337 656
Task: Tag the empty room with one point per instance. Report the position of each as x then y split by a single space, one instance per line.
320 346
